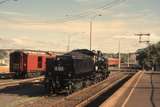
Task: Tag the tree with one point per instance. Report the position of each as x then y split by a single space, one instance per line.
149 57
3 54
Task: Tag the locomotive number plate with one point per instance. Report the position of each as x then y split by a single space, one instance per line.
59 68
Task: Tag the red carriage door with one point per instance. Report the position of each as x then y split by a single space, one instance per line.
39 61
25 62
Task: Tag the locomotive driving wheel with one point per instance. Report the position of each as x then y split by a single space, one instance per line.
70 88
49 87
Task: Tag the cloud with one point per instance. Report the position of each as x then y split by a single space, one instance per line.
12 13
78 26
105 34
27 43
114 25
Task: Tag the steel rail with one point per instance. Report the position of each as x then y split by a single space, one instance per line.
11 83
80 96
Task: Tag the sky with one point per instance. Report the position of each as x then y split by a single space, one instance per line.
47 24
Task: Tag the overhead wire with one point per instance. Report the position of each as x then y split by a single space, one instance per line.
93 12
4 1
86 14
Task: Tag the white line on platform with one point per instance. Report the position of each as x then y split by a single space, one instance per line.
131 92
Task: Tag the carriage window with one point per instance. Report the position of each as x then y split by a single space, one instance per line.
39 62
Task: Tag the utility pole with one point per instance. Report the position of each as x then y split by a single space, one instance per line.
69 40
119 54
68 44
140 35
128 59
90 39
91 29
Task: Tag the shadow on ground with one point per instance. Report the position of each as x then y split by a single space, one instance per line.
31 90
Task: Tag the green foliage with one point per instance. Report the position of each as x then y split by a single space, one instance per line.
3 54
149 57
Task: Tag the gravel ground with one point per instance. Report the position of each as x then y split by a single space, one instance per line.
6 80
49 101
42 102
29 95
15 95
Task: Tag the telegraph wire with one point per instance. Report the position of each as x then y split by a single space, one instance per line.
90 12
86 14
4 1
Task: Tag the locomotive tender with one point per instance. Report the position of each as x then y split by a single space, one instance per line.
75 70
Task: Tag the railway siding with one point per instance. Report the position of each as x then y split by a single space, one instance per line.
80 96
23 81
77 97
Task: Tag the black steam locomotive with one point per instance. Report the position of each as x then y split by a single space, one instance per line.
75 70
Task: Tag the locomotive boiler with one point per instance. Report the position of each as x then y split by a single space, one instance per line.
75 70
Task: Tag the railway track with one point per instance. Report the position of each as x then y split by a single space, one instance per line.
15 94
6 83
77 98
6 80
83 97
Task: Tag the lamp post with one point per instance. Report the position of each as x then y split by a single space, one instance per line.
91 29
69 39
119 54
90 39
68 45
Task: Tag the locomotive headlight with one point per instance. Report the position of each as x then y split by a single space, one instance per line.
96 68
58 59
66 87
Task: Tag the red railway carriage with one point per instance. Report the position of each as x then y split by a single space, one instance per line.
28 64
113 61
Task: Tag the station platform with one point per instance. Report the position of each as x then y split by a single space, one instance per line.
146 92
